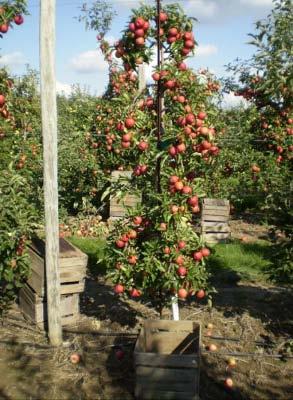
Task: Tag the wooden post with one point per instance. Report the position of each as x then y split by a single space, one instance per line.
49 132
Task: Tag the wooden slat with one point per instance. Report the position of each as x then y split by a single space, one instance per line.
37 310
141 392
211 207
165 374
211 226
216 237
215 212
217 218
160 360
171 326
174 385
217 202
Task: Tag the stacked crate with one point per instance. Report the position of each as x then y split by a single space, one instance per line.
167 360
215 220
32 297
118 206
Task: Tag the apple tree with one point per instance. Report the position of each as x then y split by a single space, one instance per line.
170 131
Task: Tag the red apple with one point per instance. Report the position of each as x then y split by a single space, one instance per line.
118 289
182 293
18 19
200 294
205 252
75 358
182 271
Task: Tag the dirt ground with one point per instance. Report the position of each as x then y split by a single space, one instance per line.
258 318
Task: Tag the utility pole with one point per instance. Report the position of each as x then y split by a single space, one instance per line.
49 133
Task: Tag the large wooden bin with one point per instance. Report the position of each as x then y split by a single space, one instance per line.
215 220
167 360
72 264
118 207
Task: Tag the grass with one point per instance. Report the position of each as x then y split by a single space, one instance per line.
94 248
229 263
236 261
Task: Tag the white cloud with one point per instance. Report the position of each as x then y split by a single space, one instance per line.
230 101
201 8
14 59
206 50
63 88
257 3
89 62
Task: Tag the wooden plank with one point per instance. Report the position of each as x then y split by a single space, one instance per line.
165 374
213 226
142 392
170 326
215 212
218 218
116 175
37 311
210 207
67 250
216 202
170 360
176 385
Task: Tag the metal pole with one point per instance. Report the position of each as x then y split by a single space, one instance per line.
49 132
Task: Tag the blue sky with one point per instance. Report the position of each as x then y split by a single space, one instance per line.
221 33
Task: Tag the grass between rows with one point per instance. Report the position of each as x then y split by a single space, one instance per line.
229 263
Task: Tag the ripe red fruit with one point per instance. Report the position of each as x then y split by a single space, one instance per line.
181 99
119 288
182 293
129 123
143 145
139 41
137 220
255 168
132 259
185 51
186 190
173 179
119 354
193 201
206 145
127 137
139 33
171 39
163 17
167 250
146 25
120 244
18 19
182 271
2 100
74 358
228 383
126 145
179 260
172 151
132 26
139 22
201 115
173 32
132 234
188 36
170 84
197 256
179 186
125 238
135 293
4 28
181 244
280 149
182 66
156 76
200 294
174 209
205 252
190 119
189 44
181 148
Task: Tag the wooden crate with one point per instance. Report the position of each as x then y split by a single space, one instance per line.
215 220
167 360
34 307
72 267
118 207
